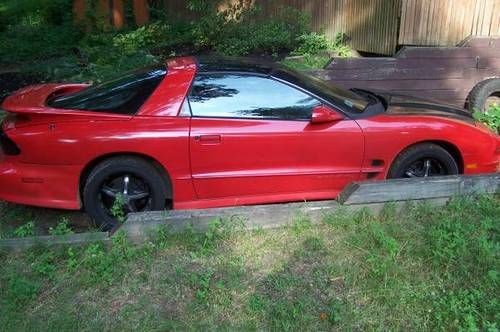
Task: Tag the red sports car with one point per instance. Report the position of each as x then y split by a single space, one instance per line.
201 132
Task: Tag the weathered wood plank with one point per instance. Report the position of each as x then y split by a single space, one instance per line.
415 189
481 42
414 85
423 73
138 225
401 63
447 52
51 240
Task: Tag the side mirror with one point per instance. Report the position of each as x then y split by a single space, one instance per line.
324 114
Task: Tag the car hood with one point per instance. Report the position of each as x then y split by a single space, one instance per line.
406 105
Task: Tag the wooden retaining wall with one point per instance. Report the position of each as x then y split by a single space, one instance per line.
445 74
359 195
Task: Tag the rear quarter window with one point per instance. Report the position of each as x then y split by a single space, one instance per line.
123 95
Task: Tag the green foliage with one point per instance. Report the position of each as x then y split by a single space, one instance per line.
34 30
312 44
424 268
20 291
105 267
62 228
145 37
245 32
464 247
491 118
117 210
45 41
44 264
314 49
25 230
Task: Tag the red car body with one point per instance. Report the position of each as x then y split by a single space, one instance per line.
215 162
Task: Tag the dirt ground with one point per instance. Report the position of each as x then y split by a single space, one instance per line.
13 216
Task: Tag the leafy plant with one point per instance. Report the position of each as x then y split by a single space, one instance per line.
25 230
490 117
117 210
311 44
62 228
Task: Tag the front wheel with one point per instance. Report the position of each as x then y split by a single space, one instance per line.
122 185
423 160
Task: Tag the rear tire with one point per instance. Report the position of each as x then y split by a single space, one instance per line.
484 94
134 182
423 160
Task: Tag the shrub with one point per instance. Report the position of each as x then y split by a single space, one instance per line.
145 37
311 43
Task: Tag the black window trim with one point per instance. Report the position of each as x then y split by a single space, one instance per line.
267 76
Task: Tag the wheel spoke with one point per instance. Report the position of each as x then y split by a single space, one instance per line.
131 206
137 196
109 191
126 181
410 174
427 167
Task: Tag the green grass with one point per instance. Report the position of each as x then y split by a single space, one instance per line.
421 269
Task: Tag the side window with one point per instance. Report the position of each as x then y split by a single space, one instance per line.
248 96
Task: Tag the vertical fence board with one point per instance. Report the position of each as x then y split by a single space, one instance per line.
447 22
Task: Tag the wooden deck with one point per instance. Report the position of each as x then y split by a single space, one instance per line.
445 74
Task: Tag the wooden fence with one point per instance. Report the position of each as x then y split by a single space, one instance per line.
447 22
374 26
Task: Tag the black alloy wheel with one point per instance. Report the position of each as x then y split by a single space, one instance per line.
423 160
123 185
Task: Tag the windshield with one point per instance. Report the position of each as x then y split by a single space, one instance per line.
123 95
345 99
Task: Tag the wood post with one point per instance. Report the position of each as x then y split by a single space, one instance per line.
79 11
141 12
103 13
118 14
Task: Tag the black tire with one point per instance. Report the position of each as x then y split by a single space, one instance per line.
479 95
407 164
142 177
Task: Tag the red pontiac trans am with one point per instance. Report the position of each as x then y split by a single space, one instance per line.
205 132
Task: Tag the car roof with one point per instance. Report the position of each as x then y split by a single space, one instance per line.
233 64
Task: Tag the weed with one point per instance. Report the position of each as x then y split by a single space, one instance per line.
20 291
117 210
25 230
62 228
201 283
334 311
45 265
301 223
72 260
313 244
163 237
490 117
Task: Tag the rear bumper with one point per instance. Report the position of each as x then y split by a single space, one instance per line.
39 185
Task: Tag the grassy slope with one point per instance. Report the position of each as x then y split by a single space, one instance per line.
422 269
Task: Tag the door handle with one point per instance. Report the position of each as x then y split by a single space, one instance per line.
208 139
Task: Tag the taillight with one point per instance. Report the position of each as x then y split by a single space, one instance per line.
7 145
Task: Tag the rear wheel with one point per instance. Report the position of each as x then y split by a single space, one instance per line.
122 185
423 160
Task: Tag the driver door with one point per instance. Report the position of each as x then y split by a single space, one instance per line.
252 136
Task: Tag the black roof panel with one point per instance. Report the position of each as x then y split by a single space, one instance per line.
211 64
